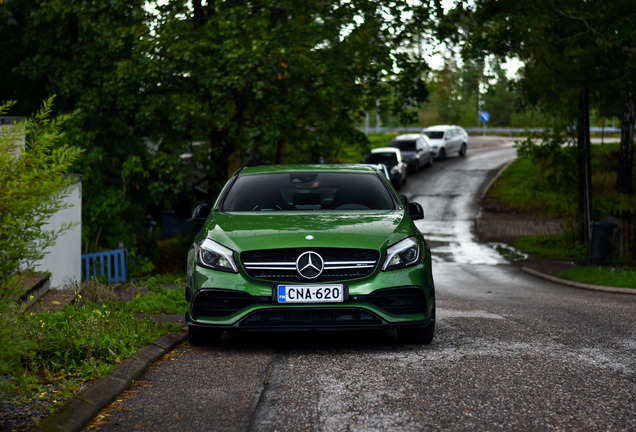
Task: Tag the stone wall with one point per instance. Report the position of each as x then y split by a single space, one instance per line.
505 227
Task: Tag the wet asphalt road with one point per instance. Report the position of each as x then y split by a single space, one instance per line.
511 352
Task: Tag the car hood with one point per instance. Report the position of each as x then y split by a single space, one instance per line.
274 230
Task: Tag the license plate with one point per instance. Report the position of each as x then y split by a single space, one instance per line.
310 293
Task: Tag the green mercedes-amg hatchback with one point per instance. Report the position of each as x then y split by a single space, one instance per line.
310 247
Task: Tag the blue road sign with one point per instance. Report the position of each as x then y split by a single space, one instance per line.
484 116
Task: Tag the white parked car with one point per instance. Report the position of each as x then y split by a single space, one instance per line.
447 139
382 168
392 159
416 150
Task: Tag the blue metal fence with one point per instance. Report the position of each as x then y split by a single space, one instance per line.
112 264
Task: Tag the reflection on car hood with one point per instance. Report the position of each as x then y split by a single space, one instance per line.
276 229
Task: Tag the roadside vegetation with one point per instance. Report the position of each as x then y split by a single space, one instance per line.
540 184
62 351
48 354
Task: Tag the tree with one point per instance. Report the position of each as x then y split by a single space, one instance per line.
574 46
269 81
500 99
77 51
241 81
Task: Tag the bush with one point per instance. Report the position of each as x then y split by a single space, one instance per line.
173 254
32 181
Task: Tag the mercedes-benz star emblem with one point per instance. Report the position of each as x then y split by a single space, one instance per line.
310 265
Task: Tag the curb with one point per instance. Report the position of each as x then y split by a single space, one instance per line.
85 405
578 284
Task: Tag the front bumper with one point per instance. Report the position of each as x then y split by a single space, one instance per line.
405 306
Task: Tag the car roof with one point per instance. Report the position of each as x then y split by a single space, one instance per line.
441 127
406 137
385 150
283 168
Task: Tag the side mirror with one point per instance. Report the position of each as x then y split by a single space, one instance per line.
416 211
201 212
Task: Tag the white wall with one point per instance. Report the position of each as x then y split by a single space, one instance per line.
64 259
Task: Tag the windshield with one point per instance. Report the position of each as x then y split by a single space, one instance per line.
404 145
388 159
308 191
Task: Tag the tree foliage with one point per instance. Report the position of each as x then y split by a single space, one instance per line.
571 49
246 81
567 45
270 81
76 50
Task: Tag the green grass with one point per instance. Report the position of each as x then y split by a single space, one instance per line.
523 187
353 154
159 301
552 247
620 277
532 187
380 140
86 341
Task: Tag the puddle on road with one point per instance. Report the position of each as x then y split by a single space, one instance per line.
455 241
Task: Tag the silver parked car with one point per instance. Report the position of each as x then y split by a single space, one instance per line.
416 150
447 139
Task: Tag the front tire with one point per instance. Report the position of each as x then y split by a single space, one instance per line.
417 336
442 154
462 150
202 336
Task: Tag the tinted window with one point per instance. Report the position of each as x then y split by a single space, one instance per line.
388 159
308 191
406 145
434 134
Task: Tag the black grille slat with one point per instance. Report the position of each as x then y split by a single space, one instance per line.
280 264
314 318
399 300
218 303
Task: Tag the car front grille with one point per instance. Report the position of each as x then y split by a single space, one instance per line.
221 303
279 265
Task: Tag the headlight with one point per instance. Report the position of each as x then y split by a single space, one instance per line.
215 256
403 254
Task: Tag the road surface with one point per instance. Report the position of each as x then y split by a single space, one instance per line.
511 352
